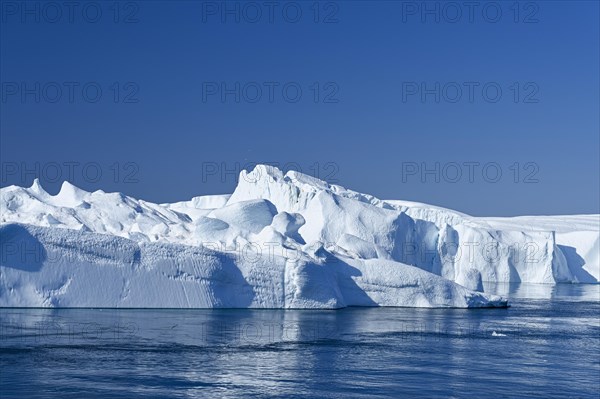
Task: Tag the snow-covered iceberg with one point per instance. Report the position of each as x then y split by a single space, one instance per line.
278 241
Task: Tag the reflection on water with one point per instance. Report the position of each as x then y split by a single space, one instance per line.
545 345
573 292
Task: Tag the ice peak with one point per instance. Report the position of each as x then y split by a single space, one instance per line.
36 187
290 192
68 187
70 195
272 174
260 172
269 182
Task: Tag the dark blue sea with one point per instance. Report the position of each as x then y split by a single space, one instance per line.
547 345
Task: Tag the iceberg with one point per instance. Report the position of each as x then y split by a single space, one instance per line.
278 241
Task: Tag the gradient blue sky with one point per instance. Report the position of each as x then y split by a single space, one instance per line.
371 52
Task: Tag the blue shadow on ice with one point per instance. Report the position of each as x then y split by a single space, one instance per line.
229 288
332 281
19 249
576 262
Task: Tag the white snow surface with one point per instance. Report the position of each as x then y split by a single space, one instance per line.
278 241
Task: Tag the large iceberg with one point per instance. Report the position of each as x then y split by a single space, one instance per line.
279 241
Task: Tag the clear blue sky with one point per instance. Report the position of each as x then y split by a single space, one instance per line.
385 106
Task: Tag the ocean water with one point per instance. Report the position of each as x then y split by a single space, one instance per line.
547 345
